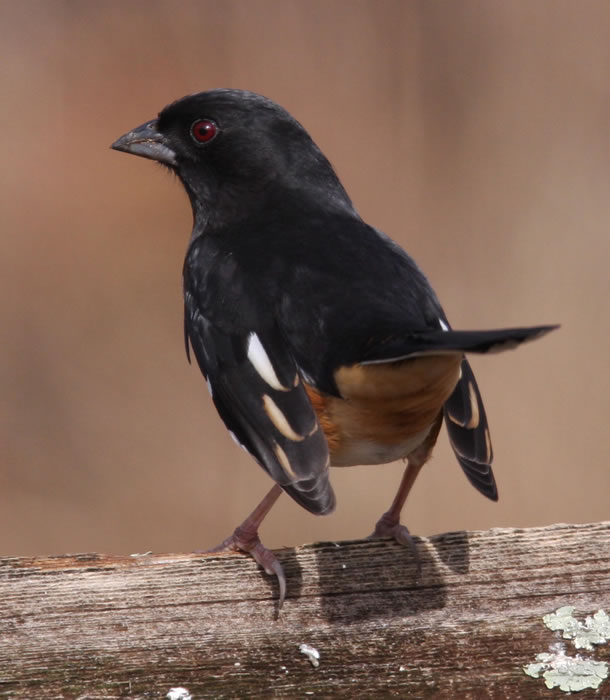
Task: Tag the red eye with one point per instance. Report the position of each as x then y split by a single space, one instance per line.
204 130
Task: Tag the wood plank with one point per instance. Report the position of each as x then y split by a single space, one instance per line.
107 626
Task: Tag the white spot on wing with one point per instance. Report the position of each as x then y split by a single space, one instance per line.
282 458
474 407
279 419
262 364
453 419
209 383
444 326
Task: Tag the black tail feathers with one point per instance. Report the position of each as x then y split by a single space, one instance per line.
469 433
447 341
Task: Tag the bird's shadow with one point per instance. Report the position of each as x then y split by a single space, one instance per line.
366 580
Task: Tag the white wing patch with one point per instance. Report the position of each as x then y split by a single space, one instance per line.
279 420
262 364
444 326
474 407
282 458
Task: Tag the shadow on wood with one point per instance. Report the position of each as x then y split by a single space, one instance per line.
369 581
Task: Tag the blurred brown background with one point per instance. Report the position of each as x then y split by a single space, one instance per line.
474 133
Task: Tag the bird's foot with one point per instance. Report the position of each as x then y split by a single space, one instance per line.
247 541
388 526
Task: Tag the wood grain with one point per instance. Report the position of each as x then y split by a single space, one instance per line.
93 626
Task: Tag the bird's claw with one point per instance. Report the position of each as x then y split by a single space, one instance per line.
251 544
386 528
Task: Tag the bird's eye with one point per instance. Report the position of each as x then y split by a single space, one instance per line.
204 130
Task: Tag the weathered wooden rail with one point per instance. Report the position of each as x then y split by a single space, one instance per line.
96 626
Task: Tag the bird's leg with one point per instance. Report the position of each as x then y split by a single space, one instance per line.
389 523
245 539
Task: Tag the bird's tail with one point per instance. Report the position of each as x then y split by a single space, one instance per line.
450 341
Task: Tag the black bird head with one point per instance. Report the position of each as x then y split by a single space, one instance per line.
225 144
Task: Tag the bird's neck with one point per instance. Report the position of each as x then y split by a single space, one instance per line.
230 205
217 205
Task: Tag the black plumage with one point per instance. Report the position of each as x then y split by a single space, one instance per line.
297 310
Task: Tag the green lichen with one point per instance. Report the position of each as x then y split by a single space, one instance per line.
594 630
573 673
569 673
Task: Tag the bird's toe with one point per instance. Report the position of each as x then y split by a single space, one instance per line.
387 528
249 543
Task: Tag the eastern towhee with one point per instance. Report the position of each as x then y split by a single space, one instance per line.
322 342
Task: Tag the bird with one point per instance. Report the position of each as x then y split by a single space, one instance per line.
321 340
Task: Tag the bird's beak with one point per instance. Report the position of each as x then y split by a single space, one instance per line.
147 142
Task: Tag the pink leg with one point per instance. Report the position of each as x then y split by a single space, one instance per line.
245 539
389 523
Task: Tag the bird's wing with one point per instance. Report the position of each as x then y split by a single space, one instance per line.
259 395
469 433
